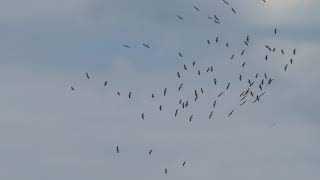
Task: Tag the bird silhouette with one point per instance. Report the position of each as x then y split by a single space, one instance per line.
87 75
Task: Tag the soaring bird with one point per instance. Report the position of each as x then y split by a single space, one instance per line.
87 75
184 163
193 63
257 75
181 18
226 2
242 52
180 54
190 118
265 75
232 56
201 90
176 113
246 43
274 49
268 47
178 74
216 18
165 92
220 94
117 149
146 45
152 95
142 116
247 38
129 95
72 88
266 58
127 46
243 103
210 115
234 11
291 61
275 30
228 86
282 51
160 108
185 67
231 113
208 41
270 81
243 64
196 8
217 22
217 39
165 170
150 151
215 81
199 72
240 77
227 44
214 104
294 52
118 93
180 86
105 83
285 68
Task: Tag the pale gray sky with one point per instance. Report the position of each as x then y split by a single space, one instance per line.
49 132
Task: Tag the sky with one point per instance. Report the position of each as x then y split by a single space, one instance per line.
49 132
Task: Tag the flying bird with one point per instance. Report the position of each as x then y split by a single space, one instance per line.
142 116
87 75
146 45
231 113
196 8
184 163
226 2
285 68
234 11
165 92
72 88
129 95
127 46
181 18
150 151
105 83
117 149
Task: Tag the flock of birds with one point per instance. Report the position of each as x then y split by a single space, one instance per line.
254 87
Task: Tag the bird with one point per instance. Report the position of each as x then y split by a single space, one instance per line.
142 116
268 47
210 115
105 83
193 63
282 51
243 103
160 108
291 61
72 88
180 86
294 52
129 95
217 39
87 75
285 67
181 18
201 90
165 92
234 11
118 93
196 8
231 113
165 170
215 81
266 58
190 118
240 77
185 67
275 30
232 56
178 74
246 43
243 64
220 94
227 44
228 86
150 151
180 54
184 163
176 113
117 150
146 45
208 41
214 104
226 2
199 72
127 46
216 18
242 52
152 95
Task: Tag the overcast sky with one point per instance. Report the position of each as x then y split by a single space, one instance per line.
49 132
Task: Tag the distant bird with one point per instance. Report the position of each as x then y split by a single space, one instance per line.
152 95
117 150
185 67
126 46
247 38
176 113
118 93
268 47
165 92
193 63
105 83
180 54
291 61
180 86
184 163
270 81
210 115
146 45
216 18
243 64
234 11
282 51
246 43
242 52
150 151
228 86
285 67
266 58
201 90
217 39
227 44
129 95
274 49
160 108
178 74
72 88
215 81
220 94
142 116
214 104
190 118
294 52
181 18
243 103
165 170
232 56
87 75
257 75
196 8
208 41
275 30
231 113
217 22
226 2
240 77
199 72
264 1
265 75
